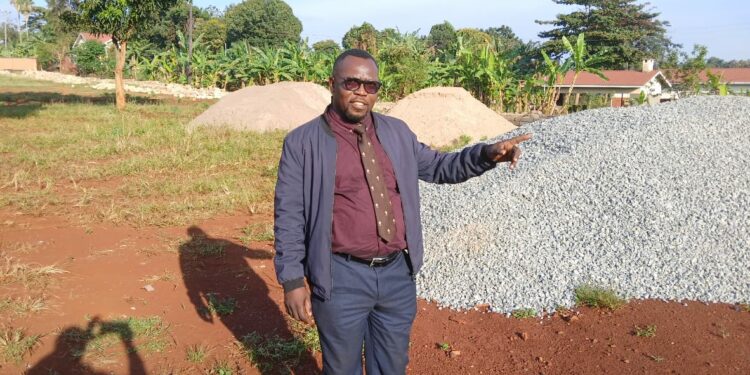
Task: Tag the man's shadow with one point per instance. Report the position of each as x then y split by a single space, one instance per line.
71 346
222 287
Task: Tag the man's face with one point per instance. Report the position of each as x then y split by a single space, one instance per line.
353 105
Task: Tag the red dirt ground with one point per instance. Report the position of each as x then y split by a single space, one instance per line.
107 267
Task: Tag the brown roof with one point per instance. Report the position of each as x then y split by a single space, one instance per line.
104 38
617 78
727 75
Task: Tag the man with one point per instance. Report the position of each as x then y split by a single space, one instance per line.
347 220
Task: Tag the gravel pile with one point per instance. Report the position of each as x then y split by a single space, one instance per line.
653 202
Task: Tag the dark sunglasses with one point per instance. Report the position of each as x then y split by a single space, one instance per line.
353 84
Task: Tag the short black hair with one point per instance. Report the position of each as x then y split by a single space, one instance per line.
355 52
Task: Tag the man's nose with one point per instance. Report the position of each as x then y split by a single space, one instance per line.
360 89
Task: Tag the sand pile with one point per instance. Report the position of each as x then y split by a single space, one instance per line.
439 115
283 105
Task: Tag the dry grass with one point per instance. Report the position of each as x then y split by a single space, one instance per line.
14 272
89 162
22 306
15 344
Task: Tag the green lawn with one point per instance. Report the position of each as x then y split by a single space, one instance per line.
68 151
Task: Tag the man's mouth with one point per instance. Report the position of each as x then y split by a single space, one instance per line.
359 105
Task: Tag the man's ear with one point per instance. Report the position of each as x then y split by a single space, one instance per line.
330 84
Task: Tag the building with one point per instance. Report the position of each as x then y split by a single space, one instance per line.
105 39
736 79
620 86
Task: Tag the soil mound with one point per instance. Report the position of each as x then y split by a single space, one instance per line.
283 105
439 115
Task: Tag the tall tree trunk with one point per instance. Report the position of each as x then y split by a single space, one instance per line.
189 67
120 47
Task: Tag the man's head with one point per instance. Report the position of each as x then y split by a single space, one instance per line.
354 84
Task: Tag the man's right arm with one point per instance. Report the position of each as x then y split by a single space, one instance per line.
289 231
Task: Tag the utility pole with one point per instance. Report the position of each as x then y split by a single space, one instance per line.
188 68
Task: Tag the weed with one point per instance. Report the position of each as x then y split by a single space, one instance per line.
14 344
268 352
221 368
220 306
257 232
197 353
647 331
201 247
12 271
655 358
307 335
445 346
592 296
524 313
22 306
455 144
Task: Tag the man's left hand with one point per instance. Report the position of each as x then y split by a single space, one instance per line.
507 150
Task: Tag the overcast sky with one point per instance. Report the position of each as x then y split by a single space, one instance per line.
722 25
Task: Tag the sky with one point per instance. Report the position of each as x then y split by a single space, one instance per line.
721 25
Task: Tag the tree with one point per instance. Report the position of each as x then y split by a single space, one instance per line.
474 38
364 37
442 39
122 19
89 57
627 31
327 46
581 61
24 8
262 23
213 33
504 38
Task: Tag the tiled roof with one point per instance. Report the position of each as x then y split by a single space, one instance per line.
727 75
104 38
616 78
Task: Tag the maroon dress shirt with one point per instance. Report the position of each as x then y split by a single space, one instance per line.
354 225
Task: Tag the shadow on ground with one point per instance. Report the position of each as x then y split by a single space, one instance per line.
224 289
74 342
23 104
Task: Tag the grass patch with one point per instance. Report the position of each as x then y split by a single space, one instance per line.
221 306
647 331
102 338
221 368
92 163
197 353
272 353
15 272
307 335
455 144
257 232
592 296
524 313
14 344
22 306
201 247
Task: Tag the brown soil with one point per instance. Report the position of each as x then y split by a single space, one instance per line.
107 268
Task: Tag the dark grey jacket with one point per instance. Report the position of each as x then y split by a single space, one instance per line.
304 194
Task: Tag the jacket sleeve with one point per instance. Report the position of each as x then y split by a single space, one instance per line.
453 167
289 218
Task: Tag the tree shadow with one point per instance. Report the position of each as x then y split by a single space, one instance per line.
24 104
223 287
72 343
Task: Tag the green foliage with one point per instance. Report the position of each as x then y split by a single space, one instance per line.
213 32
122 19
627 31
524 313
262 23
647 331
90 58
442 39
221 306
269 353
327 46
592 296
404 64
14 344
364 37
474 39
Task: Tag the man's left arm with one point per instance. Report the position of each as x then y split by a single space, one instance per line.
470 162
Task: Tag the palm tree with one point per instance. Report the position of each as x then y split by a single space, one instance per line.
23 7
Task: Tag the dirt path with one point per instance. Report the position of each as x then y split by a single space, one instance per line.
108 269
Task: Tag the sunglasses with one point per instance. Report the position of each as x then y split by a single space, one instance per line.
353 84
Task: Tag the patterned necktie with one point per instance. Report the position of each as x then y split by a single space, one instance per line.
378 191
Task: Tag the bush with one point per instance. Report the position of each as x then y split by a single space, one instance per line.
90 58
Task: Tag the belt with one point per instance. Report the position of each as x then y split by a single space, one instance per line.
372 262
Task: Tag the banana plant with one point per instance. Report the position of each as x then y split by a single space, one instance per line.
581 61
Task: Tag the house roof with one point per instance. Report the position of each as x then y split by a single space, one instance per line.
728 75
616 78
104 38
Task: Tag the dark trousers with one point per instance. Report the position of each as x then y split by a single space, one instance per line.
371 305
